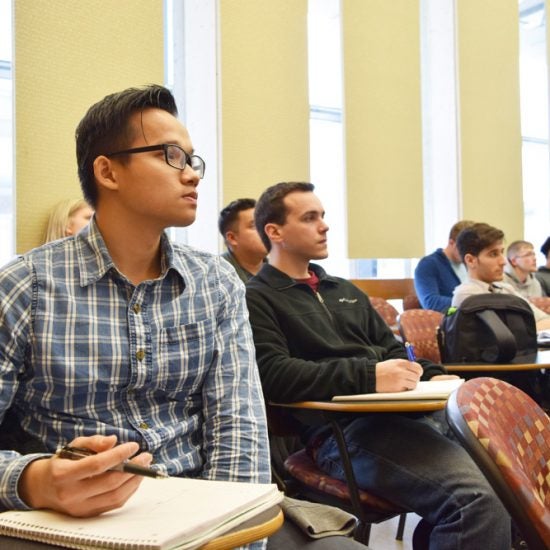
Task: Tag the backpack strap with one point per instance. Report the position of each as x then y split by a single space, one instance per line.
504 338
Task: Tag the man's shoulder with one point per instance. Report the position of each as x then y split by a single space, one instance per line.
192 255
434 259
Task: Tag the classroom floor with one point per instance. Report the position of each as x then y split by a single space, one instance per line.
383 534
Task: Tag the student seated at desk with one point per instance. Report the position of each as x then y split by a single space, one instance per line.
481 247
520 270
437 274
125 343
318 336
245 250
543 273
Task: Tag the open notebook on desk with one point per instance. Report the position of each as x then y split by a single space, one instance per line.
438 389
174 513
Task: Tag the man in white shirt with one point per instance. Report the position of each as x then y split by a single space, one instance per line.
481 247
521 268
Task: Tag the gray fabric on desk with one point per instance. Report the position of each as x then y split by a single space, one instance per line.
318 520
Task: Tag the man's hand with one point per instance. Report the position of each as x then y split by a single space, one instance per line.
444 377
84 487
397 375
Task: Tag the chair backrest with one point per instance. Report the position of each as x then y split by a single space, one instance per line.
508 436
419 327
385 310
411 301
542 302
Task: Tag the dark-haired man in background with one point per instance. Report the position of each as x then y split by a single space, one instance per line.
245 250
318 336
543 273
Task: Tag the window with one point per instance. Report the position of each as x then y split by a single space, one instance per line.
6 134
534 120
325 127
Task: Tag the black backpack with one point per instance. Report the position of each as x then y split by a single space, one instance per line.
488 328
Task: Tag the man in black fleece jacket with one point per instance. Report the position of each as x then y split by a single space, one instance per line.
317 336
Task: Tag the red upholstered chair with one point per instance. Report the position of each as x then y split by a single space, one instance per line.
419 327
385 310
542 302
508 436
305 480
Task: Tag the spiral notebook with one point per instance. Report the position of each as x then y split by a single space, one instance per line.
167 514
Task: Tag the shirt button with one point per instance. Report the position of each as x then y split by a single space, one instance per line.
140 354
137 308
144 425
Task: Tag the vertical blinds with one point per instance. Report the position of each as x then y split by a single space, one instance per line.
69 55
490 131
264 95
383 133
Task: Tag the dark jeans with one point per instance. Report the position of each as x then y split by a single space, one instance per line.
411 463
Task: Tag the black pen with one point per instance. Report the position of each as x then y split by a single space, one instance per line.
76 453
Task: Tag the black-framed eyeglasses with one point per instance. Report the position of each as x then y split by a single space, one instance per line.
174 156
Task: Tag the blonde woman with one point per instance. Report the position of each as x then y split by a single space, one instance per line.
67 218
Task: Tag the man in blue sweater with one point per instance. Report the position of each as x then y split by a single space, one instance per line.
437 274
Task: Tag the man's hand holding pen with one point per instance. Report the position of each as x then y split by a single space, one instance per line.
85 487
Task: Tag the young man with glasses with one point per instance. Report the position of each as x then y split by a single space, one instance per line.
120 341
521 268
124 343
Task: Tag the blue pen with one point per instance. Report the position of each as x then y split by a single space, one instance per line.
410 351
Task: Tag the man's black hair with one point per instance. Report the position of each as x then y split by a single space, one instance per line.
271 208
106 128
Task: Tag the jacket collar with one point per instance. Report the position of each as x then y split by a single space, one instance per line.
279 280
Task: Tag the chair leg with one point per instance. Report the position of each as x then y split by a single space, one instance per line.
362 532
401 527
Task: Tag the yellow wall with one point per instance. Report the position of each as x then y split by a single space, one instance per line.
69 55
264 95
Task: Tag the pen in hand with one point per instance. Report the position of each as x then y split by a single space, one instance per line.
76 453
410 351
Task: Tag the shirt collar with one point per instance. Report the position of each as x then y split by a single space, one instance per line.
94 260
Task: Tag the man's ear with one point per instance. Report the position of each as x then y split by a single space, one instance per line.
230 238
469 260
105 173
273 232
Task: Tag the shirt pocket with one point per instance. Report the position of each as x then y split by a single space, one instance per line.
185 355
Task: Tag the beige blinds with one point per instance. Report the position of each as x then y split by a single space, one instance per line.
489 114
264 95
67 56
383 134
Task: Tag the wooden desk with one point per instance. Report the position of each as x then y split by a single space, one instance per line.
542 361
263 525
407 405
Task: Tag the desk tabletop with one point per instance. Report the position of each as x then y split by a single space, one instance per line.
406 405
542 361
